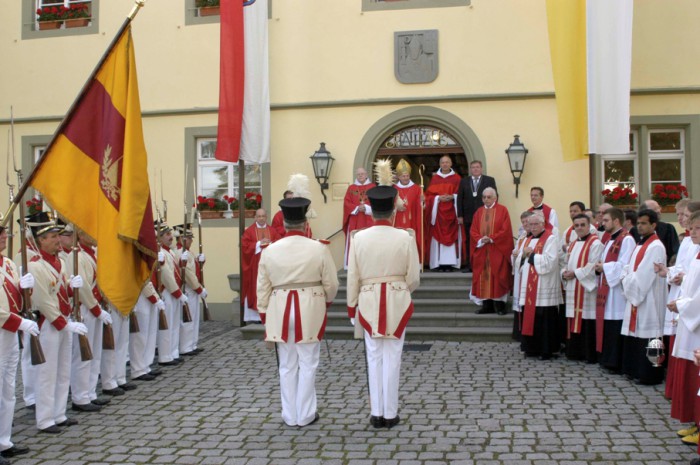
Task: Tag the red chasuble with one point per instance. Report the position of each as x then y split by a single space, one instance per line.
278 226
251 260
355 196
491 262
446 227
412 217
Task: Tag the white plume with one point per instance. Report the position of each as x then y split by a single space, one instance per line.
299 185
382 170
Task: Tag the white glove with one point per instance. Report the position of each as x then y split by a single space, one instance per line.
204 294
201 258
76 282
160 305
77 328
184 256
183 299
29 326
105 318
161 257
26 281
352 321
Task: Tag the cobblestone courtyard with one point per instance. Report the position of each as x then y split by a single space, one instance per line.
462 403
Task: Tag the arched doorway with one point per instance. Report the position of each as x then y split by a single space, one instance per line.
423 146
421 135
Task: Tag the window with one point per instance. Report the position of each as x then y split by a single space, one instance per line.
62 18
621 170
216 178
63 14
666 157
661 152
207 11
378 5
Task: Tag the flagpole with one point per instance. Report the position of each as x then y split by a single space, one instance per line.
241 230
138 4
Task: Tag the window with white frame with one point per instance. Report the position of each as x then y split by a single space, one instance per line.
63 14
622 170
666 157
217 179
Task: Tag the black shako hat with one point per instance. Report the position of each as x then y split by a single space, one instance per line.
294 210
41 223
381 198
184 232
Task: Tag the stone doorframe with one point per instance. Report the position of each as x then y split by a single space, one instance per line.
416 115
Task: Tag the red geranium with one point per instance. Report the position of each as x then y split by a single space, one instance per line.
668 194
620 196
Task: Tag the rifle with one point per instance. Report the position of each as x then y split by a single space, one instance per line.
107 335
10 225
205 307
85 351
186 314
421 170
162 317
37 354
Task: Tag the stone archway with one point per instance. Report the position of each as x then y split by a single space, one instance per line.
414 117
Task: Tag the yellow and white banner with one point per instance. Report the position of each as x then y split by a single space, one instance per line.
590 43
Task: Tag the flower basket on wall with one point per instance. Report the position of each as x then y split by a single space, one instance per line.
77 22
667 195
211 214
209 11
48 25
620 197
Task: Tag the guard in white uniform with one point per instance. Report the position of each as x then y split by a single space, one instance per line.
10 324
51 298
142 344
297 281
383 270
194 291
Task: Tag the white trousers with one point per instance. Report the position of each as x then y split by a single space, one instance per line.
142 345
84 374
384 364
53 377
188 330
114 361
9 358
298 363
168 340
28 373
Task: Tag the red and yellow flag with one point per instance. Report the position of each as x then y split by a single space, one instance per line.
95 175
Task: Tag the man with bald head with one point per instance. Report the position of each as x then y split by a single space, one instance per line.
357 212
667 234
444 231
255 238
491 246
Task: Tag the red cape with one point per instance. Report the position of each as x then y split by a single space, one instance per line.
446 227
251 260
353 197
491 262
412 217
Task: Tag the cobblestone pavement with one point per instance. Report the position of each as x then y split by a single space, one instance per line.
461 403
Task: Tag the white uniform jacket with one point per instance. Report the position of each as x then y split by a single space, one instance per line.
51 291
296 274
10 296
383 270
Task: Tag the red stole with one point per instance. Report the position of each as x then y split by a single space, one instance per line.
604 288
567 234
579 291
638 259
533 280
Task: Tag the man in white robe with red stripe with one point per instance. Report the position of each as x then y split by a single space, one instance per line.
581 289
610 301
540 291
297 281
646 293
383 270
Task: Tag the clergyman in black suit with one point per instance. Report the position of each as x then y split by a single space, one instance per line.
469 197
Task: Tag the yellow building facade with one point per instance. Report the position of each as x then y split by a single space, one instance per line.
334 79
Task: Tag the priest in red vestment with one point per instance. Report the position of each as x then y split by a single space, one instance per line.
255 238
409 204
357 212
490 248
278 220
444 232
